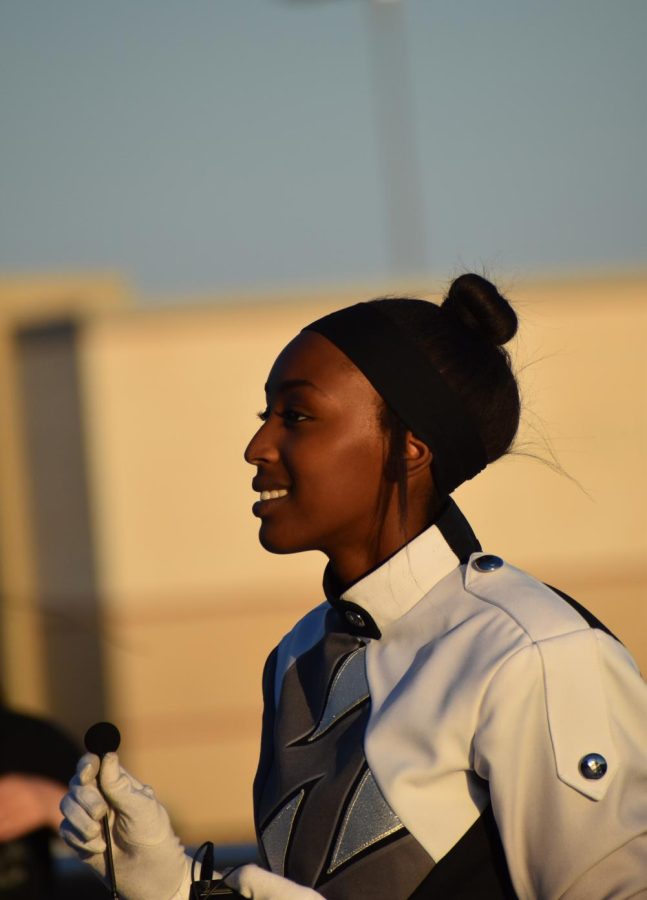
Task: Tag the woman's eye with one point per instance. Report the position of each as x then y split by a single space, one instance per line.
292 416
289 416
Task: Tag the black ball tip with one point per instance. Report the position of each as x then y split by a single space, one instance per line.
102 738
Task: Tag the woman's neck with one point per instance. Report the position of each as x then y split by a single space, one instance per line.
349 564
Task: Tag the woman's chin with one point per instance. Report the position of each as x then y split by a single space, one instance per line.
274 542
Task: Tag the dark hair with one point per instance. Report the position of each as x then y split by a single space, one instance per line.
463 340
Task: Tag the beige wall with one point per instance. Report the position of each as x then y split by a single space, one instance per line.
191 605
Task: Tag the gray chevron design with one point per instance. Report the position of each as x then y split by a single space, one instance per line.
349 688
276 835
368 819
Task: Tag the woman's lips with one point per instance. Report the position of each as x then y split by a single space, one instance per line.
273 495
267 500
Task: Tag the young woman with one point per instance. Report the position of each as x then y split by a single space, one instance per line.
443 725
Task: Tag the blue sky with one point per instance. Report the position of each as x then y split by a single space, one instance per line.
202 146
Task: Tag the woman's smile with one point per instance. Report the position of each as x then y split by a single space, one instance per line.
267 501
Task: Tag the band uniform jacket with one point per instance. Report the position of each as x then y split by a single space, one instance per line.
449 727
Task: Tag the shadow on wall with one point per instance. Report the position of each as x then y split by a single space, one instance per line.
48 380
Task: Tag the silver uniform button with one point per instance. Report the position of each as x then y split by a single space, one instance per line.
487 563
354 618
593 766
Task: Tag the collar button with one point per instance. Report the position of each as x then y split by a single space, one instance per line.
355 619
487 563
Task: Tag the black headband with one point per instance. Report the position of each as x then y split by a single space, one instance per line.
410 385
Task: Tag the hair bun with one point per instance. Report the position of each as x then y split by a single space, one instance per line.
477 304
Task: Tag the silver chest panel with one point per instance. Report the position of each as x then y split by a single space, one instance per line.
348 689
276 836
368 819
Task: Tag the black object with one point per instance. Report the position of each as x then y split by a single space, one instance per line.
102 738
207 867
412 387
207 886
33 746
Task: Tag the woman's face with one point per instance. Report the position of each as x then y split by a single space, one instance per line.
322 448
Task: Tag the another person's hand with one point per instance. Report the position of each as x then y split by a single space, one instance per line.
27 803
149 860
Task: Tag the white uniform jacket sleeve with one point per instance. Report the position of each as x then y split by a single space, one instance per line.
550 706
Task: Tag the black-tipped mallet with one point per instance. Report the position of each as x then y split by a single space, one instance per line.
102 738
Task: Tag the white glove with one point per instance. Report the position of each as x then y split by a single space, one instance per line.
149 860
259 884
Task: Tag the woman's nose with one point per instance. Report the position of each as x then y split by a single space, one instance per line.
261 448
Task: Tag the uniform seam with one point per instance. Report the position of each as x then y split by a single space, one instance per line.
533 640
620 847
503 664
532 644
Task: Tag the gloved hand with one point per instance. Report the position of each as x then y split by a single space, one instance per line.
259 884
149 860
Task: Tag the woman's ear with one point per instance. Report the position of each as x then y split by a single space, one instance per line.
417 454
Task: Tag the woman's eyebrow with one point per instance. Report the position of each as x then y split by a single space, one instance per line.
291 383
